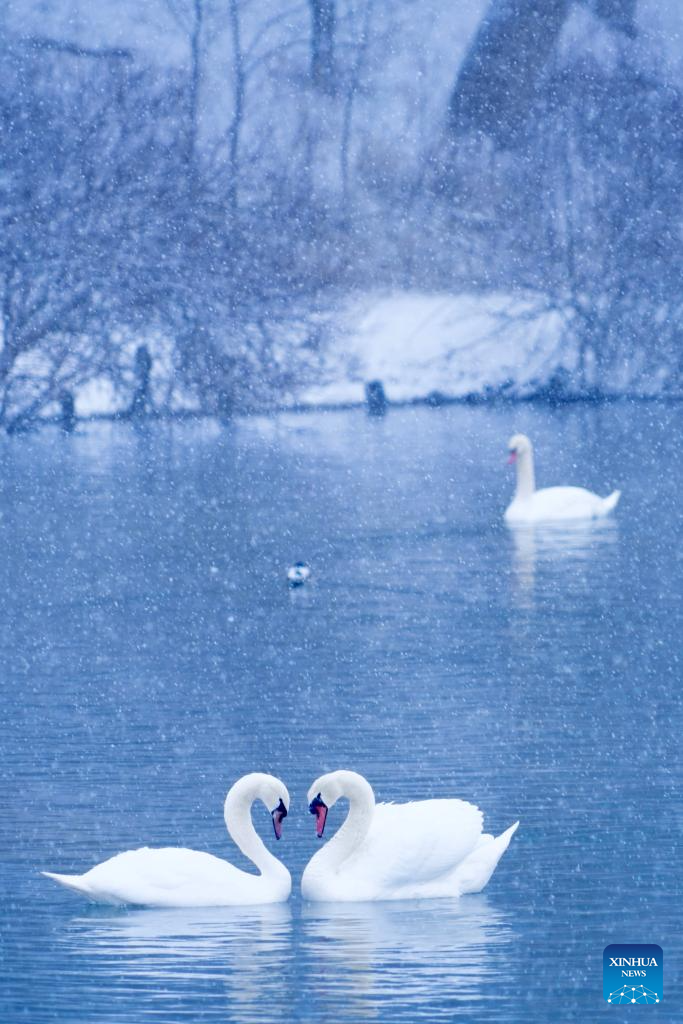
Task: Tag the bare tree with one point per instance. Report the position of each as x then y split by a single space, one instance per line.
82 171
239 93
352 86
190 16
591 220
323 25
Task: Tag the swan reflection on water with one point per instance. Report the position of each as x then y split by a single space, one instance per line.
192 932
354 961
230 961
408 960
566 546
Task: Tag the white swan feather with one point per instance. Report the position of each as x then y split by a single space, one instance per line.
178 877
420 850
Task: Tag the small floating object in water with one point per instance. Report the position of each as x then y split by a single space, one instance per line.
298 573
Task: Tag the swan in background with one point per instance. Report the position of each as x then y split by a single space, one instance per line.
550 503
176 877
422 850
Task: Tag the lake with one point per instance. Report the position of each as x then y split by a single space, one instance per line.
152 653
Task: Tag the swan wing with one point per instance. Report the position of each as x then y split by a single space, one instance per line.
413 843
565 503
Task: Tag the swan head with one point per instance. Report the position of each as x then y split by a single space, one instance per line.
318 807
266 788
519 444
274 795
278 814
326 790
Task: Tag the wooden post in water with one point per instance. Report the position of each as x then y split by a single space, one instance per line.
375 398
67 412
225 394
143 368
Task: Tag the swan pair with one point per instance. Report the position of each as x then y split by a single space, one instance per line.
550 503
426 849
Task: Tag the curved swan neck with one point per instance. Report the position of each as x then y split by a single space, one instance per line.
237 812
526 483
354 830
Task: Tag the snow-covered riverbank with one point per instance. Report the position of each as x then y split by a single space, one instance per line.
421 344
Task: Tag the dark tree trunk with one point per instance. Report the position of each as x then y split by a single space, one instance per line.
323 22
495 87
143 369
195 84
496 83
619 14
239 91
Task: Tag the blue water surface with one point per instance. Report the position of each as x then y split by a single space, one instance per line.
152 653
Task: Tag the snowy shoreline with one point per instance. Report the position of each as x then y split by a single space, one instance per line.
429 401
423 348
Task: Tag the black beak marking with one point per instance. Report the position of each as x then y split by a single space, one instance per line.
318 807
278 815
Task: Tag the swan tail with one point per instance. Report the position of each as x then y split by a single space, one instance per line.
74 882
475 871
610 502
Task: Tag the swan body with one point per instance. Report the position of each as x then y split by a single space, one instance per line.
177 877
550 503
298 573
423 850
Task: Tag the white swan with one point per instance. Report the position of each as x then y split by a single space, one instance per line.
422 850
176 877
550 503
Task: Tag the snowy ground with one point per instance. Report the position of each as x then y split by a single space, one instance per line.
418 344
